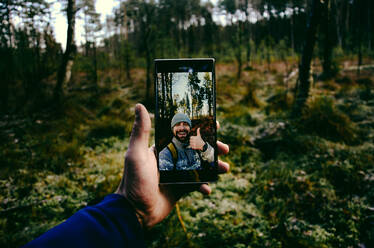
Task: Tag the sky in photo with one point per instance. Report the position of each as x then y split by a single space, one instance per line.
180 87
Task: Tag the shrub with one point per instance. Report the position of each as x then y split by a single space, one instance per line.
280 101
239 115
105 128
118 103
366 82
250 97
323 118
366 93
344 80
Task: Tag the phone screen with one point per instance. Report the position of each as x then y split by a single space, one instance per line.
185 120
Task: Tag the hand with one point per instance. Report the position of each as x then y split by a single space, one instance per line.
140 182
196 142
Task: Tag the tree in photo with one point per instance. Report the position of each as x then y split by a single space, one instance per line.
208 90
196 94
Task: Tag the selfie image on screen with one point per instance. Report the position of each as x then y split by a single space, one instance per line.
186 121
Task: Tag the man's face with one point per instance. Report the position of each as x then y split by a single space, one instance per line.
181 131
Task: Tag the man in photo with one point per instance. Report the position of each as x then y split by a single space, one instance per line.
185 152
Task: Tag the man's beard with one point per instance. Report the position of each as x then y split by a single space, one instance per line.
184 139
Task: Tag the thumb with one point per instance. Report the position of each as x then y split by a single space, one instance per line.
198 132
141 128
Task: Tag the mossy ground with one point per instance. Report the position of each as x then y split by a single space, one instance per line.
303 181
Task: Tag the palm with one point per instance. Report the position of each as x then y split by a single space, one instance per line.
142 187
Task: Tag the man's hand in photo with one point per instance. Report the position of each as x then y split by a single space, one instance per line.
196 142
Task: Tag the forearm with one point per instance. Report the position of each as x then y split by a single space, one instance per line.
111 223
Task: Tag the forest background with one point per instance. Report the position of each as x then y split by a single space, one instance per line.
294 99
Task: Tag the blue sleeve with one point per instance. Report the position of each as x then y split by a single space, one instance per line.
111 223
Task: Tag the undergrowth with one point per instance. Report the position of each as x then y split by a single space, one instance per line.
294 182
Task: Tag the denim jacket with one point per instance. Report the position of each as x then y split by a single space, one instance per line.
188 159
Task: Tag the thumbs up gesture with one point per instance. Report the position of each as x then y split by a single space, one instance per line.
196 142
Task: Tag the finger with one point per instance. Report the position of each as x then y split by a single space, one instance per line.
141 128
222 148
223 167
198 132
205 189
177 191
218 125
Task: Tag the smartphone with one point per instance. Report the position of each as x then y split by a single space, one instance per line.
185 120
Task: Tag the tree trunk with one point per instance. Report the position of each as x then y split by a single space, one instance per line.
268 42
191 41
239 60
7 52
87 43
338 17
346 16
178 36
148 71
127 59
369 28
163 99
147 36
64 71
360 5
170 100
238 49
7 75
9 25
248 52
292 29
192 98
32 80
359 57
126 43
95 66
247 31
304 69
327 51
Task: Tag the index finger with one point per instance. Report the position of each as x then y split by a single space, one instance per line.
222 148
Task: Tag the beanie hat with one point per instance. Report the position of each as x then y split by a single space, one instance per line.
180 117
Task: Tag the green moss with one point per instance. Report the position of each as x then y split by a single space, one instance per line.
105 128
323 118
305 182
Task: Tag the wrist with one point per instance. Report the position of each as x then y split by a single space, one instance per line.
138 215
140 219
146 221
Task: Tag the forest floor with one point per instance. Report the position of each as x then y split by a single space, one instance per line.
304 181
